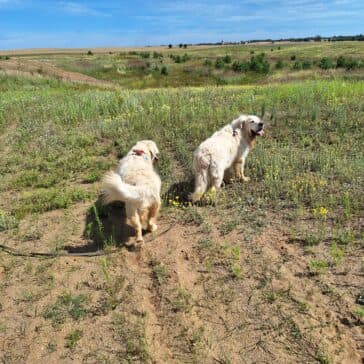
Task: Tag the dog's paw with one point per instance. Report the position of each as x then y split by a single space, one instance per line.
245 179
152 227
194 197
139 244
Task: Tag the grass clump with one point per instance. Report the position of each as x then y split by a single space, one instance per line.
66 306
159 271
130 331
73 338
7 221
318 266
51 199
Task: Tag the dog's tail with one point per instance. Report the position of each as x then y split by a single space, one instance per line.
114 189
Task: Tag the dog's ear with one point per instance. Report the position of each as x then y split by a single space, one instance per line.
238 123
154 151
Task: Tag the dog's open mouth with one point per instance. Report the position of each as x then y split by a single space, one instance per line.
258 132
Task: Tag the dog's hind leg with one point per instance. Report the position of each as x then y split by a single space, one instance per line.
134 218
217 181
152 215
217 176
201 182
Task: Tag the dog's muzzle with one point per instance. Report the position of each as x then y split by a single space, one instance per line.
260 130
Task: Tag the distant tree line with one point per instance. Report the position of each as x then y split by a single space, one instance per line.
316 38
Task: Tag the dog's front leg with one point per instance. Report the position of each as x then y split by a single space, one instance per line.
239 171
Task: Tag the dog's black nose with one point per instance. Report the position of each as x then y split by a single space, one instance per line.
261 124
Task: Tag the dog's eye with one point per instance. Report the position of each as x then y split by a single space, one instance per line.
251 121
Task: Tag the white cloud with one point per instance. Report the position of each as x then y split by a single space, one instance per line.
79 9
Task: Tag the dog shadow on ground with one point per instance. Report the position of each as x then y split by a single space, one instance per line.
107 225
178 191
104 225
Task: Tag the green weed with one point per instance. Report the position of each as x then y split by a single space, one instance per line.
181 300
227 227
160 272
337 254
73 338
7 221
359 312
130 332
318 266
104 269
66 306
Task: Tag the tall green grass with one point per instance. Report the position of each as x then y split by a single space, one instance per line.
311 154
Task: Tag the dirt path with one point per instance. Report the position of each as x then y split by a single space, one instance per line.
33 68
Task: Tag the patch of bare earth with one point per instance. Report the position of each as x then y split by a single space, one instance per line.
34 68
192 295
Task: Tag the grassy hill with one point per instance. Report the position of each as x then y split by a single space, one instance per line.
266 271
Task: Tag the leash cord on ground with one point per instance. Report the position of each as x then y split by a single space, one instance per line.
18 253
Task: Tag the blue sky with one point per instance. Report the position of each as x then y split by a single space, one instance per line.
43 23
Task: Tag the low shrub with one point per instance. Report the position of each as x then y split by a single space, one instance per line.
207 62
164 71
306 64
279 64
227 59
219 63
326 63
256 64
240 66
144 54
297 65
259 64
157 55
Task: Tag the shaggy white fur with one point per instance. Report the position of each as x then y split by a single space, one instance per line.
138 185
224 153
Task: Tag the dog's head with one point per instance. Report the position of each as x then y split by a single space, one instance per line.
149 148
250 125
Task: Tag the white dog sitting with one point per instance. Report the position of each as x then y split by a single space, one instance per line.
225 153
138 185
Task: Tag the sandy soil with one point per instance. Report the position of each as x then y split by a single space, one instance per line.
177 297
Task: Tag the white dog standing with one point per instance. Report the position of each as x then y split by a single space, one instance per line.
138 185
225 152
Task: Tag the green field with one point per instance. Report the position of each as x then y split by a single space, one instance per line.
211 65
266 271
